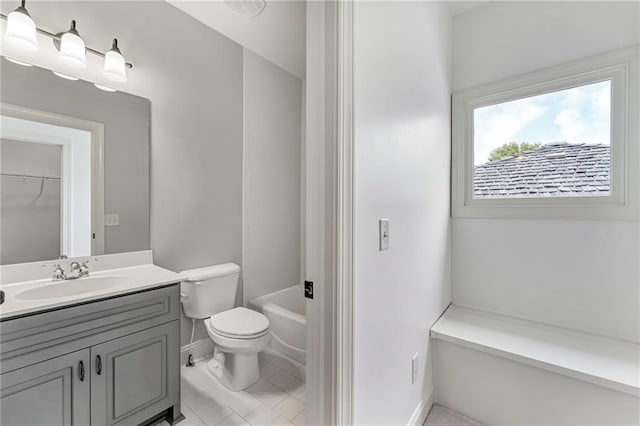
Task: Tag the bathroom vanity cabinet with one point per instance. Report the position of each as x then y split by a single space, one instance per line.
108 362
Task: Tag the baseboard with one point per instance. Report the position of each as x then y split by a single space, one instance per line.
422 411
200 349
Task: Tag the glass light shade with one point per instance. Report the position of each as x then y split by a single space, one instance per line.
21 30
105 88
114 66
73 50
15 61
65 76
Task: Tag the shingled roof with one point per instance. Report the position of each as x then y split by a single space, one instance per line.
557 170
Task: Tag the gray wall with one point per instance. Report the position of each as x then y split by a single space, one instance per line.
30 220
272 177
193 77
126 145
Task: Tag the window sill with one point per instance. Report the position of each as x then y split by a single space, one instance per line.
602 361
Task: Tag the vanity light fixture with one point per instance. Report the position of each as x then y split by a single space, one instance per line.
21 33
65 76
73 51
105 88
15 61
114 65
21 30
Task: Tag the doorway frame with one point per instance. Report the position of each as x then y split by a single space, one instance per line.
329 210
97 161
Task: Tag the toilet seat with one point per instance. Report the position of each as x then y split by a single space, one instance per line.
239 323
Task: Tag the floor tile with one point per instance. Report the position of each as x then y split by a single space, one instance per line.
277 398
301 373
268 370
281 421
271 356
214 413
262 415
295 388
440 416
190 417
281 379
289 365
242 402
267 393
289 408
233 420
300 419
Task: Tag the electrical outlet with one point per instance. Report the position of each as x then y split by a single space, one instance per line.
414 368
112 219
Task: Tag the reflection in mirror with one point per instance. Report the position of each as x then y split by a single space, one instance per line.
30 201
42 222
70 155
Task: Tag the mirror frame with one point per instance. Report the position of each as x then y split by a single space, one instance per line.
97 161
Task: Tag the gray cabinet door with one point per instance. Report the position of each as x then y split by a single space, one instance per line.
53 392
135 377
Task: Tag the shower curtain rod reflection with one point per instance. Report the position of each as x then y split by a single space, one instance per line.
15 175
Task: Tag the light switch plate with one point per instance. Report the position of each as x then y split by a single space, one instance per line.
112 219
384 234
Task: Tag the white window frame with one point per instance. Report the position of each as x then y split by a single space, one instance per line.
621 67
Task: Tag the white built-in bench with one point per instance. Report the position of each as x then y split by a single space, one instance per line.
601 361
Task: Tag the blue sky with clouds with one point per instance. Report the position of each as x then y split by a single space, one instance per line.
578 115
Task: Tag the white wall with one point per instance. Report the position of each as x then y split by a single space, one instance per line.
272 177
402 158
577 274
503 39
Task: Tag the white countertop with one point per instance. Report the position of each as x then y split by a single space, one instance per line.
131 279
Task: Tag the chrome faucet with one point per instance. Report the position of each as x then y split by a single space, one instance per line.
76 270
58 273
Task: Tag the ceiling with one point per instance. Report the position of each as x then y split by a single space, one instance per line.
277 34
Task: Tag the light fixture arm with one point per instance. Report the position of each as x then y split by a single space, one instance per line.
23 8
56 37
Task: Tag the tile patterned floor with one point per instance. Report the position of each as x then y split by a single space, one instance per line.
441 416
278 398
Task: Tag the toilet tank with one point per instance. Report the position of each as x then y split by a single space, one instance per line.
210 290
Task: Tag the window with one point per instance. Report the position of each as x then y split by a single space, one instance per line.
561 142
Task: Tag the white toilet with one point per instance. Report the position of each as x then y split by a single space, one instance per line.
238 333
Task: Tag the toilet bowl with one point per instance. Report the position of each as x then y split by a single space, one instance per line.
238 334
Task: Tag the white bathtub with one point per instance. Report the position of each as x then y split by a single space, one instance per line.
286 310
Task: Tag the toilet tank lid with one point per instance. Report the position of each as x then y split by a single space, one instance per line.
208 272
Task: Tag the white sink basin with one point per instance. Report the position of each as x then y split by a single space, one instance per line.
71 287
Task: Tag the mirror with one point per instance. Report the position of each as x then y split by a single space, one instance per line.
74 168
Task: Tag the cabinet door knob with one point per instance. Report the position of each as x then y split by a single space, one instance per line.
98 365
81 370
